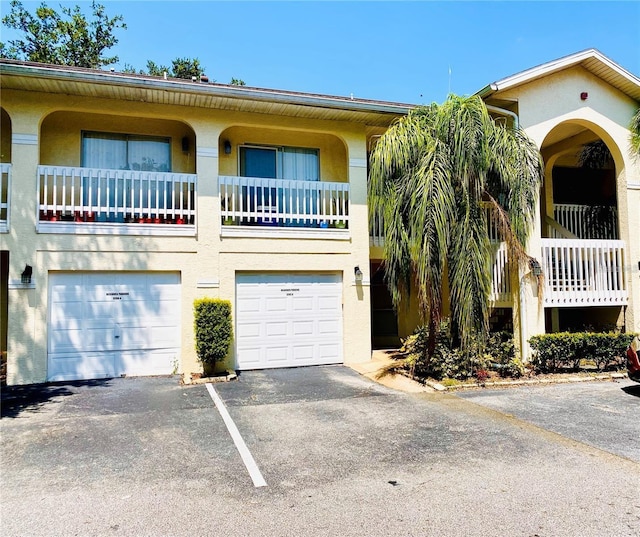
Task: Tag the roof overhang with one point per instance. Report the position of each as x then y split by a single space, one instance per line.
29 76
592 60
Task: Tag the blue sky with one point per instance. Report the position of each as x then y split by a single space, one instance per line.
396 51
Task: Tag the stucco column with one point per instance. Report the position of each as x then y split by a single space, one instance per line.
357 297
26 347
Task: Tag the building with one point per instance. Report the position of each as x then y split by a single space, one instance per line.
123 198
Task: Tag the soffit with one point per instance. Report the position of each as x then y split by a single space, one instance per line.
592 60
100 84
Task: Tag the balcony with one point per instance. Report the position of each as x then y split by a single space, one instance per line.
254 206
109 202
5 189
583 273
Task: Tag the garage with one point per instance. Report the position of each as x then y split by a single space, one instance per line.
110 324
288 320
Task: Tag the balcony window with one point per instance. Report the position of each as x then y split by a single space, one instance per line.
293 163
126 152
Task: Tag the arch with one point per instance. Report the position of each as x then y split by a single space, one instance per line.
334 162
5 136
61 136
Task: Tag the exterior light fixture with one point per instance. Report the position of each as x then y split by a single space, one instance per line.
584 96
535 267
227 147
25 277
358 273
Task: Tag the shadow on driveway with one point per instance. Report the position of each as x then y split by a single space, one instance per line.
32 398
632 390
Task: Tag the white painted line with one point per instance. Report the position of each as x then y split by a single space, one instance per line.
247 458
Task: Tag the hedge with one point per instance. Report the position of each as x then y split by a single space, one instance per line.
213 329
568 350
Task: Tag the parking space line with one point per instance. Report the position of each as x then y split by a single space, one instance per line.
247 458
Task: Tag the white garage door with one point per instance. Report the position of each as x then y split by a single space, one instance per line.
108 324
286 320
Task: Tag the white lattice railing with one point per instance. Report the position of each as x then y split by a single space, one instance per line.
75 194
500 274
5 189
586 222
254 201
583 272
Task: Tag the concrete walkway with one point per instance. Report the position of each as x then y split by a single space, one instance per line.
379 360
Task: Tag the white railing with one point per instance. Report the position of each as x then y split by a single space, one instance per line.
254 201
500 274
72 194
586 222
5 189
583 272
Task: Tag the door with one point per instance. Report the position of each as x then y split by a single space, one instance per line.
109 324
288 320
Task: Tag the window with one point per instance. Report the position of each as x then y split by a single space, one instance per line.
295 163
126 152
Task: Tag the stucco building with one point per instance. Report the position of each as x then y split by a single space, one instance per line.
123 198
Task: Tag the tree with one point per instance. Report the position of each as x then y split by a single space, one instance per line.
634 127
65 38
428 175
237 82
185 68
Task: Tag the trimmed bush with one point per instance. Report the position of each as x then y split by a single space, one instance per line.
213 328
569 350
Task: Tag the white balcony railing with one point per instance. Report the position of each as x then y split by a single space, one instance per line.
500 275
5 189
586 222
254 201
76 196
583 272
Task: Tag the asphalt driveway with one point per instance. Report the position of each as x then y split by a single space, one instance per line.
340 455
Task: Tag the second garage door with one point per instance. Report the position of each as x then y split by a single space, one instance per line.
288 320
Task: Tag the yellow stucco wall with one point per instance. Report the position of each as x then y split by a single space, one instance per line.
52 125
554 100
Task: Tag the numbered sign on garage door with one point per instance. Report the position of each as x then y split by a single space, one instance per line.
107 324
286 320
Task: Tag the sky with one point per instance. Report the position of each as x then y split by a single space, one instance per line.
404 51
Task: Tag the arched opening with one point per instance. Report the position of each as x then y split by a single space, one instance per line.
283 178
111 169
583 257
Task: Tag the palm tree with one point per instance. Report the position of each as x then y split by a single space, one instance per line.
634 127
428 175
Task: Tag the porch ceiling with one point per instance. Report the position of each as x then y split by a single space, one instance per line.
28 76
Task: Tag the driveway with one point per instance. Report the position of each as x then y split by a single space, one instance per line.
340 456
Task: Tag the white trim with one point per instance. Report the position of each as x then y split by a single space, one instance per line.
17 284
358 162
245 454
207 152
102 228
633 186
284 233
208 283
24 139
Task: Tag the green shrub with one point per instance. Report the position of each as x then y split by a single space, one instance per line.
213 328
568 350
448 360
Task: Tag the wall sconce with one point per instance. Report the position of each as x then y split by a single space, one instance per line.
536 269
227 147
25 277
584 96
358 273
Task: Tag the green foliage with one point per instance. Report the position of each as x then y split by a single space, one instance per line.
568 350
452 362
634 127
213 329
237 82
429 174
185 68
62 38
